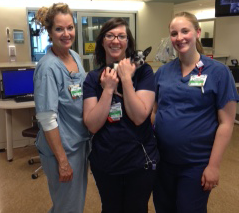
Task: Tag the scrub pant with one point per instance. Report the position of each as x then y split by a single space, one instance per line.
126 193
68 197
178 189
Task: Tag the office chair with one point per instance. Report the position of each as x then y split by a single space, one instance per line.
32 133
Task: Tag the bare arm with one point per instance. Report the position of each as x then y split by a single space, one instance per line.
226 117
95 112
155 107
138 105
54 141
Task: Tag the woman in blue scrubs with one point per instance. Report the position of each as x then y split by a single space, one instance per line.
117 107
193 117
63 138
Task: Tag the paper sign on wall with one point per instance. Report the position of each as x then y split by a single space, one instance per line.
89 47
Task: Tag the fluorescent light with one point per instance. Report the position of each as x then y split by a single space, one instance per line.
205 14
79 4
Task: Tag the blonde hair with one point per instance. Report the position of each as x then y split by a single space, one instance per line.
45 16
192 18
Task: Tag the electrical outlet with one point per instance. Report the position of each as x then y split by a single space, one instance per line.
12 51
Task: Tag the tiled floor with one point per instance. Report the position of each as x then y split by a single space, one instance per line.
21 194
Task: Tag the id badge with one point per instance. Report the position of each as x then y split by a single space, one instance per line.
75 90
115 112
197 81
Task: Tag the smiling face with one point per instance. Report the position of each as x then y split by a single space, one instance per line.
183 35
63 32
115 49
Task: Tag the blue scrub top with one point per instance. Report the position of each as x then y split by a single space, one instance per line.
51 93
116 147
187 119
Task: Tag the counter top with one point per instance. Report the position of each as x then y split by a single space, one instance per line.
17 64
11 104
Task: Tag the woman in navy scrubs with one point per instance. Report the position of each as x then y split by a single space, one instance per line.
194 117
124 149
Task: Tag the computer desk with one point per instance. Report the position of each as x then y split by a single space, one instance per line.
8 106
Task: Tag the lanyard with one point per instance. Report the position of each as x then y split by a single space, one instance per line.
148 162
199 65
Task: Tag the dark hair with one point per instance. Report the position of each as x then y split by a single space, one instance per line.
192 18
99 55
45 16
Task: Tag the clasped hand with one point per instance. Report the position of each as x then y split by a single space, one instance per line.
126 69
109 79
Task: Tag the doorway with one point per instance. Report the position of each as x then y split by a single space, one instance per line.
89 25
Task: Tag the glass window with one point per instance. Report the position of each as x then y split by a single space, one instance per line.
90 30
39 41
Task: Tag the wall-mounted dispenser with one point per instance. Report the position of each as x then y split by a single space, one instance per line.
8 35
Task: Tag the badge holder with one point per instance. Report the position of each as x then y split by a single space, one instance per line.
198 80
115 113
75 90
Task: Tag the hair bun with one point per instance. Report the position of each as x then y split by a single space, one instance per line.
41 16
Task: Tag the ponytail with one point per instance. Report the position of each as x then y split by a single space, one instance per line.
199 46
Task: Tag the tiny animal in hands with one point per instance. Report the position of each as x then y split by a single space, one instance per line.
138 58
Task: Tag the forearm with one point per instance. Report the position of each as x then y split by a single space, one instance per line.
97 117
226 117
134 106
153 114
54 140
222 139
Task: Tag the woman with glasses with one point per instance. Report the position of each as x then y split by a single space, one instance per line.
124 153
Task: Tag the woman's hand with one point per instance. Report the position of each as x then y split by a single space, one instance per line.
126 69
226 117
210 178
65 172
109 79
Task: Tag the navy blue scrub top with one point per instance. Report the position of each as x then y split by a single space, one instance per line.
116 147
187 119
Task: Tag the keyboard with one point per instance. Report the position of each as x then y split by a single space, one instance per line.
24 98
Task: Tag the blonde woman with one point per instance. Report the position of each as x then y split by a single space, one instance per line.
195 111
63 139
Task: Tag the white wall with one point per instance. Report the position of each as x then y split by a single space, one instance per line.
152 25
227 37
14 18
207 26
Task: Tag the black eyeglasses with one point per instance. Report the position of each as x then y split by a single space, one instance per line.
111 37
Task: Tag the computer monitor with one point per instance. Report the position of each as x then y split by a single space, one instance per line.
207 42
17 82
226 8
235 72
